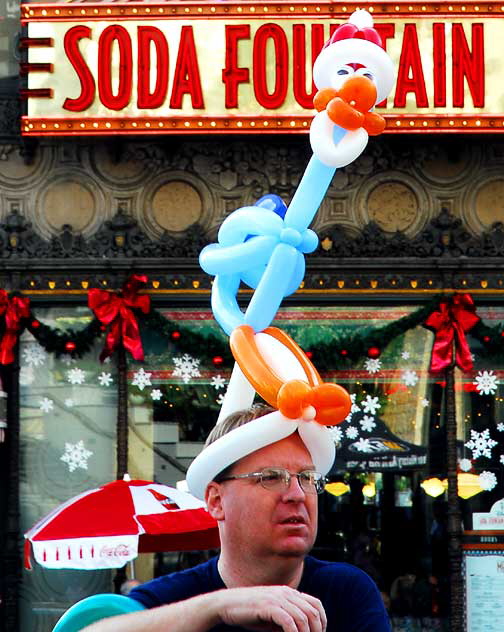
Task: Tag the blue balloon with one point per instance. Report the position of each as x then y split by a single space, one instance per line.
273 203
263 246
94 608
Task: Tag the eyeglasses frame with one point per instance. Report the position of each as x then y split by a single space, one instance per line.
319 487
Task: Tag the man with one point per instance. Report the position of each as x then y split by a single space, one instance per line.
266 507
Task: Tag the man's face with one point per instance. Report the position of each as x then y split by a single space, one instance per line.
268 522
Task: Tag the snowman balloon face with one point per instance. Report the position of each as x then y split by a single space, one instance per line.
353 73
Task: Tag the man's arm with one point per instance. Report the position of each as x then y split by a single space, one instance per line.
261 608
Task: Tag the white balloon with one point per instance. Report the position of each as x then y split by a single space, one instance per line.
252 436
334 154
351 51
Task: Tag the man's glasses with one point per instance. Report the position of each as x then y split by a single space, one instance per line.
278 479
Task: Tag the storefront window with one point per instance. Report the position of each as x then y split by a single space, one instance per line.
377 516
67 446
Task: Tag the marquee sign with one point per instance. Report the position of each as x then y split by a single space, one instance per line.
200 67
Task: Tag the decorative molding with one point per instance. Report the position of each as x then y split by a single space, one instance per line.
444 255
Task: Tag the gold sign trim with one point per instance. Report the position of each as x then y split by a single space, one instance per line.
205 10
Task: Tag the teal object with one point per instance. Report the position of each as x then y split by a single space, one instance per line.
94 608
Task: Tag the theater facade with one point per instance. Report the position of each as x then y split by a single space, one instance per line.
140 127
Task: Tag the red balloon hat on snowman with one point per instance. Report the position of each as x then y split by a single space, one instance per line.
353 73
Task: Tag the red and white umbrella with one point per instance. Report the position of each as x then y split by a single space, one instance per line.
109 526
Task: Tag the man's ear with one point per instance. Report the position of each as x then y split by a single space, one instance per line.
213 499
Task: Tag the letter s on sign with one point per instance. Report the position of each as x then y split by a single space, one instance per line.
88 88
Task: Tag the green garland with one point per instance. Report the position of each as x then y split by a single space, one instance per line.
213 348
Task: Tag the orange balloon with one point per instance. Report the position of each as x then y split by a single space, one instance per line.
322 98
255 368
374 123
332 403
360 92
291 400
344 115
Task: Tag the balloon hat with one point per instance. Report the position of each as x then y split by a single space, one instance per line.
263 246
277 368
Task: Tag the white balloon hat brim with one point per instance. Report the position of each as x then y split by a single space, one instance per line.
263 431
351 51
252 436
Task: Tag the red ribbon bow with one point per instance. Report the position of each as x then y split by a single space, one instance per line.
13 310
455 317
114 310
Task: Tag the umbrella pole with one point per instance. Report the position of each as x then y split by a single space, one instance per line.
132 569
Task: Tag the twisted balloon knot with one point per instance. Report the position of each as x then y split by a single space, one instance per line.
327 403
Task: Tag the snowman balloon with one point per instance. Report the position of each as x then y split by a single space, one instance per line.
352 73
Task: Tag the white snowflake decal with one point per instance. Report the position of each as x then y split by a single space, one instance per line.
405 355
34 354
370 405
156 394
69 403
410 378
105 379
367 423
363 445
336 434
354 409
465 465
67 359
141 379
218 382
76 456
372 365
486 383
481 444
220 399
425 402
76 376
487 481
352 432
46 405
500 427
186 367
501 459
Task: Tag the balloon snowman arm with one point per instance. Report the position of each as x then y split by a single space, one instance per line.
95 608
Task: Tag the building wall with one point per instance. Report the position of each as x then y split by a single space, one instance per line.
167 185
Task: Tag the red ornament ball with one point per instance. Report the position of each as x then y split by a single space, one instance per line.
309 354
35 324
374 352
217 360
344 352
175 335
70 346
486 338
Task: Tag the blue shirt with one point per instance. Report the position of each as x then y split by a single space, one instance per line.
349 596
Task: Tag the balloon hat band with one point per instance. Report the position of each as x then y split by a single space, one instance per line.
281 373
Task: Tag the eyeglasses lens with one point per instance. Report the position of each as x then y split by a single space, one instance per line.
278 478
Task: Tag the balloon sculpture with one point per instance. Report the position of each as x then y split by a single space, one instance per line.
263 246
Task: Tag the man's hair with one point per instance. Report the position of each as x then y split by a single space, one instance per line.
237 419
232 421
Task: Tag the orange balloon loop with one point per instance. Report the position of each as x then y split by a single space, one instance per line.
322 98
374 123
360 92
293 397
332 403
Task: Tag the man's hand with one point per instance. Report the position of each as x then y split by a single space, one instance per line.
271 608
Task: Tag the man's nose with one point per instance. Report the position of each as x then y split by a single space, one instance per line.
294 490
